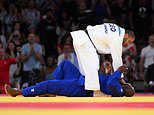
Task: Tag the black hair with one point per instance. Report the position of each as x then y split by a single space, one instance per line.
128 90
8 50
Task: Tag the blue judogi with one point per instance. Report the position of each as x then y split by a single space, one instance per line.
70 82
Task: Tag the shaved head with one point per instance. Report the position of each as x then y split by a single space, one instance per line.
128 89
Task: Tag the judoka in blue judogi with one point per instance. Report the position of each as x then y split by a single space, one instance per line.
70 82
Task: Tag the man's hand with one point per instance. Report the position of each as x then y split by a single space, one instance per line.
31 50
122 69
108 67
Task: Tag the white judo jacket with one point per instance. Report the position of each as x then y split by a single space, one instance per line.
107 38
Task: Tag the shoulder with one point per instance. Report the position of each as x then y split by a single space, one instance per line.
146 48
38 45
11 60
25 45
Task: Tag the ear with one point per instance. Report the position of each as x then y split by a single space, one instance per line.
126 35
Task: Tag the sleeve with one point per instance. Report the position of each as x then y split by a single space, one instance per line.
38 49
115 77
113 85
12 60
116 53
142 53
23 51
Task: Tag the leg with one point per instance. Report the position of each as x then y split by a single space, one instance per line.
42 88
39 89
87 58
66 70
54 87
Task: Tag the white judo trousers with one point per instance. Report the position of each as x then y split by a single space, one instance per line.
105 43
87 59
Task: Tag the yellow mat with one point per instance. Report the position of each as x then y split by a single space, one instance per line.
76 111
77 99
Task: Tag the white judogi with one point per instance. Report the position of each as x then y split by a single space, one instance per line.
107 38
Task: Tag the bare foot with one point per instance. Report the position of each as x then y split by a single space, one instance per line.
11 91
98 93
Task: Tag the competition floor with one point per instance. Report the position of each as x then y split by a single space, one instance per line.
140 104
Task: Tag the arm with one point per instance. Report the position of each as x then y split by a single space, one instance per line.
39 57
38 54
113 85
24 58
114 82
25 55
133 51
116 53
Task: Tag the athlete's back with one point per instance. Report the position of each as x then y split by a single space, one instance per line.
106 30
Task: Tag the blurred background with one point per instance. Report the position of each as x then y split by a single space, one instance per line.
48 23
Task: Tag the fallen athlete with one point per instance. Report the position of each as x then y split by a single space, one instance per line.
70 82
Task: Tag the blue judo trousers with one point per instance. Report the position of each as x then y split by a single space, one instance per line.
70 82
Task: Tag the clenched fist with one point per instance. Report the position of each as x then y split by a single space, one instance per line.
122 69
